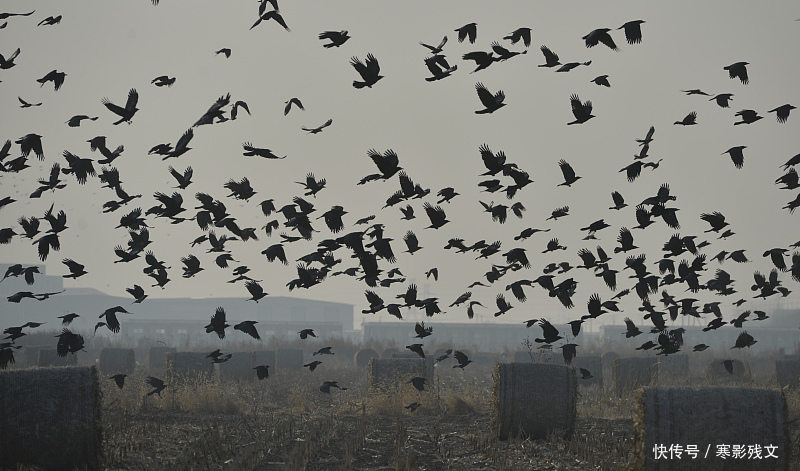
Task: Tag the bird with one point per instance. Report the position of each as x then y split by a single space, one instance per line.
722 99
271 15
422 331
68 318
569 352
736 155
748 117
585 374
75 121
550 57
292 101
305 333
518 34
225 51
418 383
327 385
9 63
125 114
738 70
336 38
601 80
250 151
262 371
689 120
439 67
781 112
111 317
490 102
217 324
119 379
469 30
50 20
313 365
137 292
53 76
156 383
436 49
550 333
568 173
601 35
461 358
319 128
163 81
715 219
633 31
25 104
369 71
581 111
76 269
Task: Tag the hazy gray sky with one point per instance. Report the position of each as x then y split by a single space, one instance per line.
107 48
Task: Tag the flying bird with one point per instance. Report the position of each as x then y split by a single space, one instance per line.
738 70
490 102
600 36
53 76
336 38
319 128
581 111
469 30
633 31
369 71
125 114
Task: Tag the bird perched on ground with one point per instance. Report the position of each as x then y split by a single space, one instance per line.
490 102
125 114
369 71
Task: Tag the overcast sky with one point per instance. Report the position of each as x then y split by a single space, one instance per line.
109 47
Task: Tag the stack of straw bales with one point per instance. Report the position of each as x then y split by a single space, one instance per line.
385 373
238 368
187 366
158 357
630 373
716 372
117 360
534 400
49 357
709 417
363 356
50 418
289 359
787 371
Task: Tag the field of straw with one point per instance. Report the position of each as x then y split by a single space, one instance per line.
286 423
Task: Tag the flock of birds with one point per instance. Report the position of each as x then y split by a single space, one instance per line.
368 245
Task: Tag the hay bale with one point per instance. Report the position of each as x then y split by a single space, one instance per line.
51 418
673 370
264 357
389 352
188 366
32 354
709 417
289 359
49 357
534 400
387 373
428 361
158 357
117 360
238 368
363 356
717 373
787 372
630 373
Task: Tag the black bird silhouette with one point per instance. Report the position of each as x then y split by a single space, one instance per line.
53 76
50 20
125 114
218 324
111 317
226 51
600 35
156 383
69 342
689 120
137 292
369 71
633 31
482 59
748 117
305 333
249 151
418 382
782 112
336 38
292 101
422 331
461 358
119 379
581 111
313 365
738 70
468 30
75 121
722 99
75 268
436 49
262 371
272 15
436 215
163 81
550 57
520 33
736 155
25 104
327 385
568 172
601 80
9 63
569 351
632 330
490 102
319 128
439 67
550 333
30 142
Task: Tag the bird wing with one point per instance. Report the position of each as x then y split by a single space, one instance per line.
485 95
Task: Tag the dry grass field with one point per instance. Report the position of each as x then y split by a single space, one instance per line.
285 422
